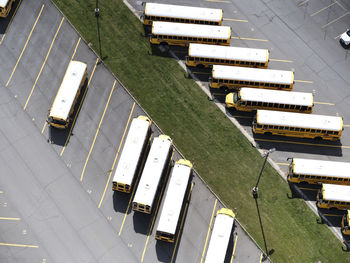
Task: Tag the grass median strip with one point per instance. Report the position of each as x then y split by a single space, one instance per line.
223 156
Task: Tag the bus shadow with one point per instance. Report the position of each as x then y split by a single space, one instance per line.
230 246
6 21
164 251
330 217
142 222
244 118
308 192
121 202
202 74
299 145
60 136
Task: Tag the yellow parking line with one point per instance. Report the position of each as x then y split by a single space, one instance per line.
97 131
308 189
43 129
219 1
234 249
341 6
75 50
47 55
157 207
303 143
338 36
282 163
281 60
133 192
235 20
201 72
10 218
324 103
324 8
335 20
1 192
331 215
346 125
8 26
302 3
17 245
81 103
304 81
182 221
116 156
261 256
25 45
206 240
243 117
247 38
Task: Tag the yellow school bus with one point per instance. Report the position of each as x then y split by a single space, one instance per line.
5 7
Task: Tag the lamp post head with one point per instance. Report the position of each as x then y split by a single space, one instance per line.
265 154
97 12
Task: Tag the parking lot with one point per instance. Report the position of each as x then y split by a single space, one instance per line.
302 36
56 201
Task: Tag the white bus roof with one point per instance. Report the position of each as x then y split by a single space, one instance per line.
152 172
321 168
3 3
173 201
186 12
219 239
335 192
299 120
191 30
231 53
129 158
277 96
253 74
68 90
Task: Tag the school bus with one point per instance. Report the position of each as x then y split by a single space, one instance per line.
207 55
156 166
5 7
181 34
318 171
132 154
298 125
345 223
182 14
250 99
220 236
67 95
232 77
174 201
333 196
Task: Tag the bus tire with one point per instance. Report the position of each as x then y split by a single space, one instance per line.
267 133
200 66
163 43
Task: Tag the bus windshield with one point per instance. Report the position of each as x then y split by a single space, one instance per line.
236 97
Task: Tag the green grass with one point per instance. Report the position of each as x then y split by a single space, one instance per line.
221 154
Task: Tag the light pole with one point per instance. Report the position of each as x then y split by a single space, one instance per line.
97 15
255 196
